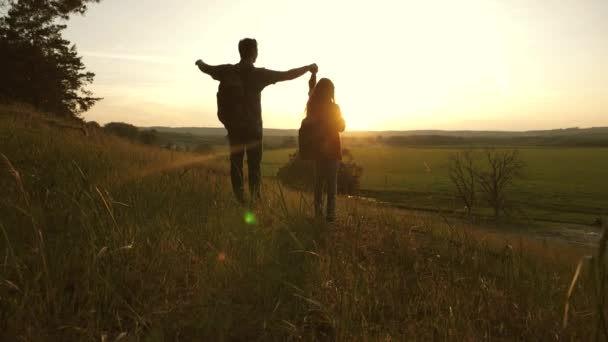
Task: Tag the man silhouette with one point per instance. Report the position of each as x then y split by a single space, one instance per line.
241 114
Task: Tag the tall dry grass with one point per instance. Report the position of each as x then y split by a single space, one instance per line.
104 240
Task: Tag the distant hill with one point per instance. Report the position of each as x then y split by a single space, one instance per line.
598 132
564 132
567 137
202 131
219 131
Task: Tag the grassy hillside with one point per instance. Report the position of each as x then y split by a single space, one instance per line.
105 240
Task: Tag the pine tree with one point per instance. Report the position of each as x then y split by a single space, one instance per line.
38 65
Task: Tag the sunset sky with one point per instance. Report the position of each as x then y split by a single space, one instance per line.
397 65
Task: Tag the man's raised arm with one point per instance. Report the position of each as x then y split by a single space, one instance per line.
211 70
288 75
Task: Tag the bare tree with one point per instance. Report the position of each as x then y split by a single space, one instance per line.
462 171
502 169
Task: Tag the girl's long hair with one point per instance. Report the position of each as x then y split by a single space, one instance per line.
321 98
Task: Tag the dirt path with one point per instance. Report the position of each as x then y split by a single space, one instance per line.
544 231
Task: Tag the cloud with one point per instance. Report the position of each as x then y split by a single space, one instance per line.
132 57
152 113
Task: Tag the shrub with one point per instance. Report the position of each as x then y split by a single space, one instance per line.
149 137
121 129
299 173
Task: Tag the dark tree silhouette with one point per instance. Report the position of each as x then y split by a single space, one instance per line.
149 137
490 173
58 8
123 130
463 170
37 64
502 168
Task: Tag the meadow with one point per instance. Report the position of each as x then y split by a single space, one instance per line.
560 184
107 240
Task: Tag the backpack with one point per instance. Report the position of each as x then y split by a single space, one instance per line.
231 107
307 134
308 142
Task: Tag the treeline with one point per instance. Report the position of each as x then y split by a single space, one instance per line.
184 141
130 132
177 142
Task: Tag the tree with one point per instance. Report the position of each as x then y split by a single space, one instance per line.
489 172
501 169
123 130
37 64
149 137
58 8
462 170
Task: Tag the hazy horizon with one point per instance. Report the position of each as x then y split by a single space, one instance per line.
399 65
389 130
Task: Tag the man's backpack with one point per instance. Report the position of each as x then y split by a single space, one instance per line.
231 106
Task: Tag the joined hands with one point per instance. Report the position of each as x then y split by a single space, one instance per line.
313 68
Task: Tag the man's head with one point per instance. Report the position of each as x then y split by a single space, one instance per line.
248 49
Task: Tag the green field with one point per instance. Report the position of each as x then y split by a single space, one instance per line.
560 184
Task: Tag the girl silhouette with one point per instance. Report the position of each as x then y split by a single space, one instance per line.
323 124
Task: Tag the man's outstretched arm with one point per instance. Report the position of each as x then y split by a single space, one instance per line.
211 70
292 74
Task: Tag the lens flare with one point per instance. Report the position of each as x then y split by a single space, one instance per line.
221 257
250 218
